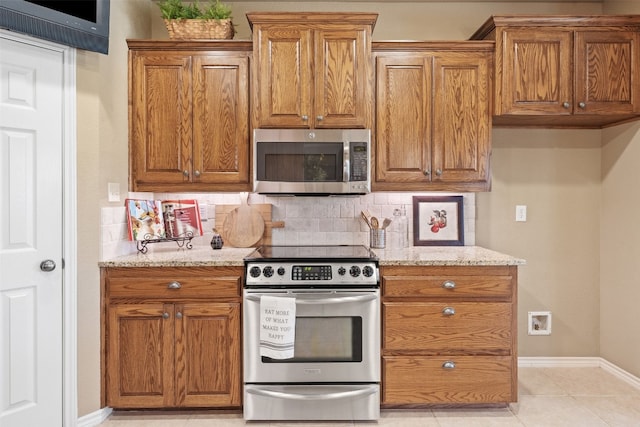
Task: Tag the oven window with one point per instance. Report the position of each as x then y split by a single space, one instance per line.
299 162
325 340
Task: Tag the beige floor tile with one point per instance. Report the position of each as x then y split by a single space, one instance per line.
588 382
533 381
616 411
555 411
489 417
406 418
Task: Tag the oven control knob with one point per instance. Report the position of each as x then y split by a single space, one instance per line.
367 270
254 271
354 271
281 271
342 271
267 271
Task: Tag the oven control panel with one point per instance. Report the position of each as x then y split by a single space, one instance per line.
356 273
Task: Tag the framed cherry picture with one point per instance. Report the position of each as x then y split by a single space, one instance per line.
438 221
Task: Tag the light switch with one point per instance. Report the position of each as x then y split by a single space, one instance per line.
113 190
521 213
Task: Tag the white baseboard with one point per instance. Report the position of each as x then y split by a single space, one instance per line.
579 362
95 418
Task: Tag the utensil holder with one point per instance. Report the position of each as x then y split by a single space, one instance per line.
377 237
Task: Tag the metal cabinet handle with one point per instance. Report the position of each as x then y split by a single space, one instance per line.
319 118
449 284
174 285
566 104
449 365
427 172
179 315
305 118
48 265
197 174
439 172
582 105
448 311
165 315
185 173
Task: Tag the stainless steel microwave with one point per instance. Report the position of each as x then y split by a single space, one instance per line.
312 162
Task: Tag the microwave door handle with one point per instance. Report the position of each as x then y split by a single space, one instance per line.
326 301
346 170
324 396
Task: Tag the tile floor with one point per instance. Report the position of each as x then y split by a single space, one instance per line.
549 397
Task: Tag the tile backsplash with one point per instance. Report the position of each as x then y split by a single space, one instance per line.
308 220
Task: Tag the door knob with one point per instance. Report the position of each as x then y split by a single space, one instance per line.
48 265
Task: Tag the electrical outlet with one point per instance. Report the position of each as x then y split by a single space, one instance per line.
521 213
204 212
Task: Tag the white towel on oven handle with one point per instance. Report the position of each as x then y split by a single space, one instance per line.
277 326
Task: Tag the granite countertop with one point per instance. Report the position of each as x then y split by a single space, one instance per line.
202 256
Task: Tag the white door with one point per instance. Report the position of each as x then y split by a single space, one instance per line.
31 276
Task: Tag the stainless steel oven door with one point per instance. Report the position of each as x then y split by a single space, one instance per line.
346 324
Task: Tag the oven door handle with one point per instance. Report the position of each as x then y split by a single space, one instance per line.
326 396
334 300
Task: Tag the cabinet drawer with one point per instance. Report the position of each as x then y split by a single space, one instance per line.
468 379
173 282
441 327
447 286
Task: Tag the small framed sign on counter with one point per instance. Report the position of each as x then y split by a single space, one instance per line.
438 221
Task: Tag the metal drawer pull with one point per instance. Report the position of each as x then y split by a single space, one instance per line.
165 315
174 285
179 315
448 311
449 284
449 365
326 396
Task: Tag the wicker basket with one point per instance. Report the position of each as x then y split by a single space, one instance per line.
200 28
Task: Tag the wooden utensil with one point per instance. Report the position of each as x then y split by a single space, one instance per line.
243 226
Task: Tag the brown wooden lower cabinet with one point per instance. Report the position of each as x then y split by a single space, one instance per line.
172 337
448 335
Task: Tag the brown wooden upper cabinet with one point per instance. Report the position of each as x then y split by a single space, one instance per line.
560 71
312 70
189 115
433 116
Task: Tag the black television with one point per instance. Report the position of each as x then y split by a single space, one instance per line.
78 23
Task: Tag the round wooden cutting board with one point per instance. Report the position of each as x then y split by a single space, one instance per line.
243 226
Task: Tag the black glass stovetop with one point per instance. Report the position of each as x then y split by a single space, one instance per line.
328 253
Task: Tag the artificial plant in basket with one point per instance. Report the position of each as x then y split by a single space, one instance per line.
193 20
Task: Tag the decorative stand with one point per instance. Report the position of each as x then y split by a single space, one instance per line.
182 240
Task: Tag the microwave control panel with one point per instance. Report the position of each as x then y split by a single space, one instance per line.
359 161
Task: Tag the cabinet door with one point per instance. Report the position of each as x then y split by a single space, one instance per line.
221 121
536 72
284 80
208 354
341 78
403 122
160 117
607 64
140 362
461 141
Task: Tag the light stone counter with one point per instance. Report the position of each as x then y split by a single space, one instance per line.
204 256
198 256
445 255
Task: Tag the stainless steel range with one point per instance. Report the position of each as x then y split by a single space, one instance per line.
311 323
